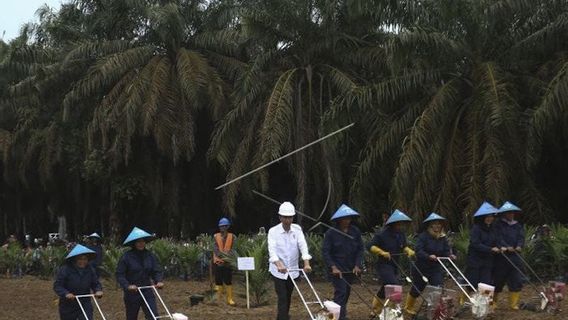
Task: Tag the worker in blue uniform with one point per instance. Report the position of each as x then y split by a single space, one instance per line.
138 267
343 255
389 243
484 245
430 244
512 234
77 277
94 243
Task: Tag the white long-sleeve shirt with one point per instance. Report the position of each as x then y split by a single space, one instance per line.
286 246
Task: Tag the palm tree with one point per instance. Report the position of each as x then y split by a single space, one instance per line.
151 85
303 56
138 78
467 72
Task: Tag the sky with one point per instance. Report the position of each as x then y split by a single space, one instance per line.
14 13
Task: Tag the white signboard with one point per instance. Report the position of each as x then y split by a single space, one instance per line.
245 263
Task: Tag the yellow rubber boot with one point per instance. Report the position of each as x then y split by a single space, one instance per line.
514 300
219 293
463 299
230 300
377 307
409 305
494 302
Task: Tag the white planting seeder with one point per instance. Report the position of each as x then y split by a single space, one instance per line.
323 312
440 303
168 315
480 299
548 295
392 309
89 296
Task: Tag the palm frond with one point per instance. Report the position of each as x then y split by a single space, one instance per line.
5 138
221 41
275 131
425 145
548 115
106 72
156 87
472 192
92 50
552 33
240 163
397 88
452 164
197 77
385 140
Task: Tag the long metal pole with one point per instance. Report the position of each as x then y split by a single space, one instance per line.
539 292
284 156
303 214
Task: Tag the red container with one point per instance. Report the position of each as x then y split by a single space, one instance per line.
393 293
559 288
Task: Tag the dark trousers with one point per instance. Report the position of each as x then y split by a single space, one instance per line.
70 310
389 275
133 302
479 273
283 290
434 276
341 292
505 273
223 275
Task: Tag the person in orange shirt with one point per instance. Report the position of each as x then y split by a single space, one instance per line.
224 243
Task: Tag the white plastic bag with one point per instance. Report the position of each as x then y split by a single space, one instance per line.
333 308
179 316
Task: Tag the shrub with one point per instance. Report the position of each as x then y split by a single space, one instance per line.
187 257
315 244
259 277
13 260
50 259
111 256
459 242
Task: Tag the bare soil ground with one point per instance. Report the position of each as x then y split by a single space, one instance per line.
31 298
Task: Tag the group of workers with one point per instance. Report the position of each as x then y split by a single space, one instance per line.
493 248
489 241
137 269
493 254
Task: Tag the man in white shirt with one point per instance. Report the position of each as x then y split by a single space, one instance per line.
286 242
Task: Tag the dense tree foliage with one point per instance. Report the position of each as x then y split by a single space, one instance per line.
121 113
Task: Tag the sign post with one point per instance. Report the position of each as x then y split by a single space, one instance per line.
246 264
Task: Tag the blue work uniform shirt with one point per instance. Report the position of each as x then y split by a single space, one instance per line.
427 245
139 268
482 238
341 251
390 241
512 234
78 281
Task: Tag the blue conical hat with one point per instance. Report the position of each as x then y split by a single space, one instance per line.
433 217
224 222
485 209
397 216
79 250
136 234
344 211
94 235
508 206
